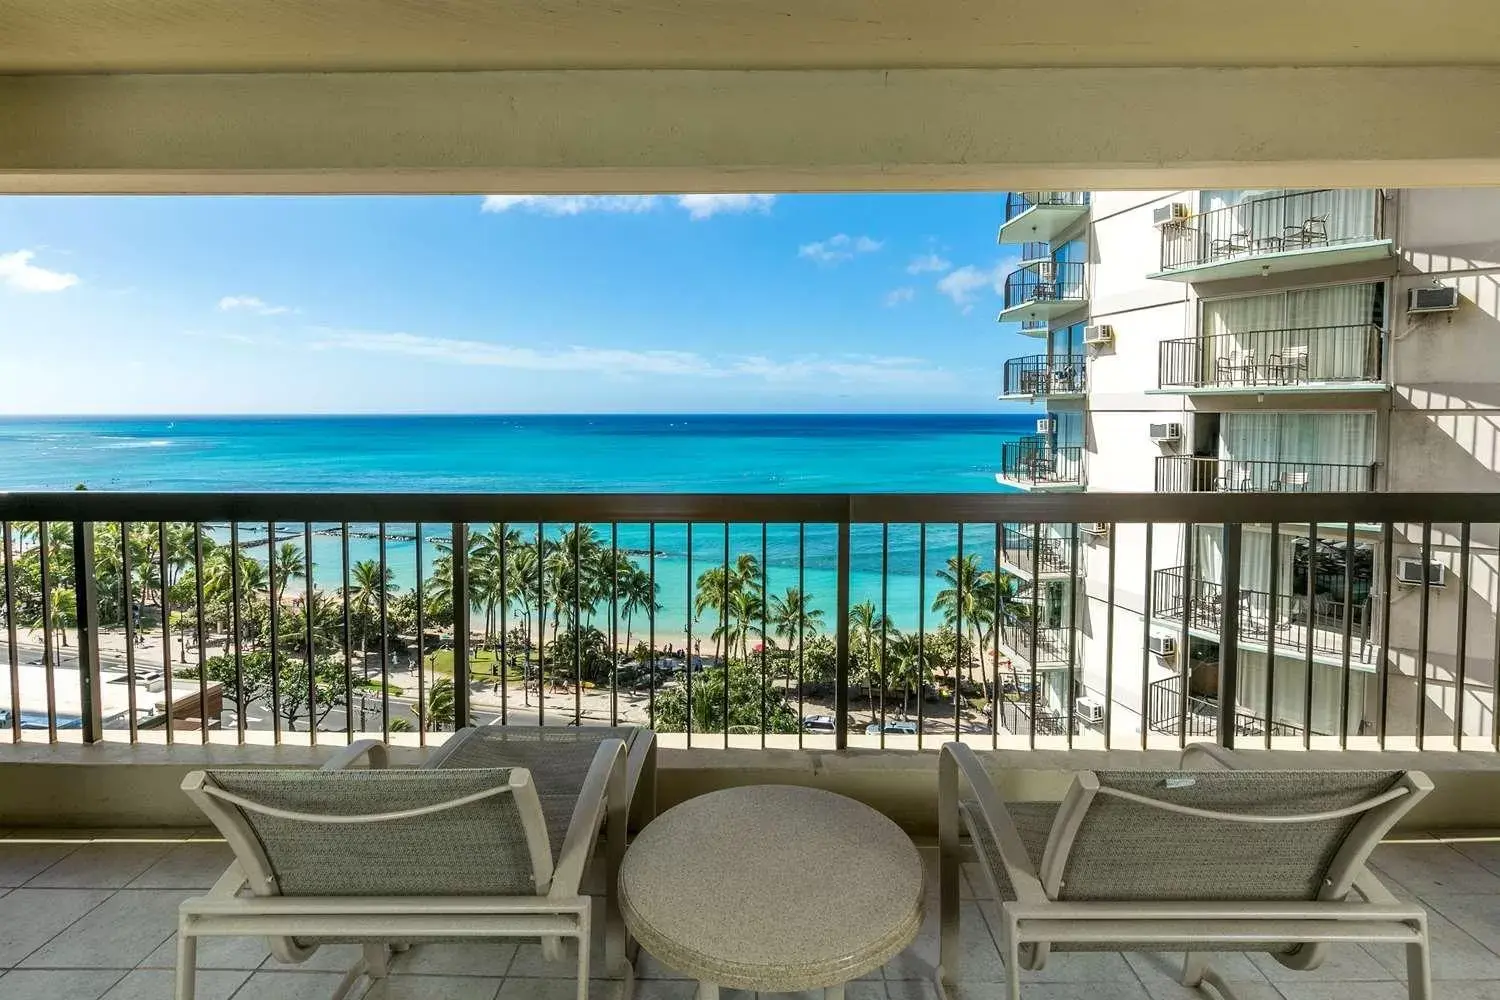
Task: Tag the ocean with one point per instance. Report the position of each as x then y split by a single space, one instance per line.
884 453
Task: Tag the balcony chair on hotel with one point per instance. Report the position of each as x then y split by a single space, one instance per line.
1194 861
491 838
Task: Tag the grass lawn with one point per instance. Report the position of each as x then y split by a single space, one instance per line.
441 663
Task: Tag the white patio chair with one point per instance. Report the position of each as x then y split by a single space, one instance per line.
1192 861
387 857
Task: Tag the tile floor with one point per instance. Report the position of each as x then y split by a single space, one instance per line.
85 916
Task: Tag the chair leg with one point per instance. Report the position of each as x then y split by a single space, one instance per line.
187 965
950 943
1419 971
1012 966
377 960
584 939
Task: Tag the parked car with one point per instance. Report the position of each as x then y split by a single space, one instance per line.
819 724
894 728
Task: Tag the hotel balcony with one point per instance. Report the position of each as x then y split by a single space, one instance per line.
1195 474
1038 555
1168 714
1284 624
1284 232
1309 359
1040 376
1041 216
1035 463
1047 647
100 845
1045 291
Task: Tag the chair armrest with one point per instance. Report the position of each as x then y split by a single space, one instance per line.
379 755
606 773
966 769
1217 758
640 775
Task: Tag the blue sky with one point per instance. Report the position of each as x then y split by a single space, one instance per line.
702 303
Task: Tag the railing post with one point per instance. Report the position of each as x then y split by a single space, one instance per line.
841 640
460 625
86 597
1229 637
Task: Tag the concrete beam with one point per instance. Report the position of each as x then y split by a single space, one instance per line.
725 130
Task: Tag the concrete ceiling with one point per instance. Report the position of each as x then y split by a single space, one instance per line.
89 36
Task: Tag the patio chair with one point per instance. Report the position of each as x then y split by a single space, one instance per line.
1312 232
385 857
1235 366
1193 861
1289 367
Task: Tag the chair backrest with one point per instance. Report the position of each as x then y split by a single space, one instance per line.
380 832
1297 478
1221 835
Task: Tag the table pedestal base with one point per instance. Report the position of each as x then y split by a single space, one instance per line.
708 991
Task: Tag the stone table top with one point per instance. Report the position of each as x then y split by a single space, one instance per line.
772 887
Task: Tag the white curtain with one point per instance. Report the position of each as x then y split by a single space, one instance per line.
1301 444
1348 215
1328 328
1290 692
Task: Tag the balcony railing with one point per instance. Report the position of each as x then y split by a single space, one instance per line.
1035 461
1196 474
1259 227
1041 375
1018 202
1065 282
1258 359
719 620
1167 713
1035 553
1037 645
1289 622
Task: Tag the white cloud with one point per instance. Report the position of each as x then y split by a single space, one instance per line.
569 204
928 264
866 369
20 274
900 296
704 206
963 285
252 304
837 249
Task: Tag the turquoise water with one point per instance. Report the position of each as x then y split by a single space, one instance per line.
662 454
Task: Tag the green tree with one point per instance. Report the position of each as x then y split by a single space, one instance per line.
747 700
367 583
793 620
910 663
967 598
292 684
637 594
440 705
287 565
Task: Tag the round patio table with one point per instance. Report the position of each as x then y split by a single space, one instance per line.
772 887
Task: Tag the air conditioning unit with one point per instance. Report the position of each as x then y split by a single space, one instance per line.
1097 336
1166 433
1172 214
1095 528
1410 572
1090 710
1164 646
1432 299
1044 425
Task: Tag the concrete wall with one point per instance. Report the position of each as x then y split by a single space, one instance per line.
118 786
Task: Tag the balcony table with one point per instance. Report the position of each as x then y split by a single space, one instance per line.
772 887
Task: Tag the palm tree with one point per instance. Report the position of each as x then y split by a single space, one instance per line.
864 626
637 594
713 586
910 663
968 597
286 565
367 584
440 705
746 609
793 619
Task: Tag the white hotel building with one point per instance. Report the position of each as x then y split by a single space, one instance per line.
1257 341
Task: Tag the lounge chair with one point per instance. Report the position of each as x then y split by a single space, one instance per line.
385 857
1193 861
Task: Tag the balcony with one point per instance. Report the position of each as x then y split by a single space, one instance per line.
1040 376
1285 232
1034 463
1034 328
1284 623
1035 252
1199 717
1044 292
1041 216
1036 555
1046 647
1309 359
1196 474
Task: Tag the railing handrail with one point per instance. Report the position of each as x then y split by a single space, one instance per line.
1016 202
775 508
1373 327
1295 463
1207 237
